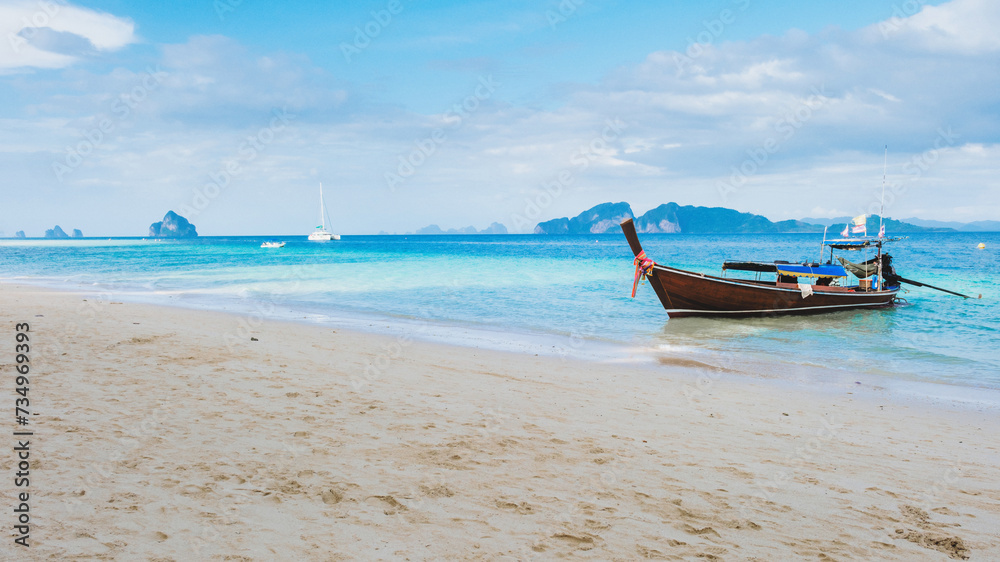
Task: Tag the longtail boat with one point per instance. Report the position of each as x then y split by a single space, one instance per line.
687 293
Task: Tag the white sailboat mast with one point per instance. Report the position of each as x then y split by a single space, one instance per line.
881 211
322 209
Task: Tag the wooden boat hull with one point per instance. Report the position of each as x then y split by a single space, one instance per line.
695 294
686 293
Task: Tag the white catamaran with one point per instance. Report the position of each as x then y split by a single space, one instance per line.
321 234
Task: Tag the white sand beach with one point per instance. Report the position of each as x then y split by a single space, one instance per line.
168 434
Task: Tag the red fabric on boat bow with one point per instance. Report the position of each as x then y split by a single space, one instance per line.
643 268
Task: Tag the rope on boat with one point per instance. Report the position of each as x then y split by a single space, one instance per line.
643 269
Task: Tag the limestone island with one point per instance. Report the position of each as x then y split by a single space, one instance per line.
172 226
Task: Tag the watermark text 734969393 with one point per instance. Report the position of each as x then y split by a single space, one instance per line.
22 417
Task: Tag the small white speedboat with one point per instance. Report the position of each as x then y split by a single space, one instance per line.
272 245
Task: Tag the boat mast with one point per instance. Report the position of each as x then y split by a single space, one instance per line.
881 215
881 211
823 246
322 209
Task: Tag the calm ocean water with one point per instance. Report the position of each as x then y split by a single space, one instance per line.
567 294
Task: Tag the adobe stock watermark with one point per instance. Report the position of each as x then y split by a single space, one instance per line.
122 110
247 152
390 353
267 305
393 351
922 162
593 488
436 484
364 35
914 169
424 148
900 12
712 31
100 473
707 378
563 12
580 160
785 128
224 7
795 462
942 486
595 325
42 18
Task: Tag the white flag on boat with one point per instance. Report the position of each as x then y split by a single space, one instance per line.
860 223
846 232
881 231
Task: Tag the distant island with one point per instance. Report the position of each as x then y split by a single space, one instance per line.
56 232
939 226
674 218
494 228
172 226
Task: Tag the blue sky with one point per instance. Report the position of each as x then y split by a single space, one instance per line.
460 113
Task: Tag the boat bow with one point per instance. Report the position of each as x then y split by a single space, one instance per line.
628 227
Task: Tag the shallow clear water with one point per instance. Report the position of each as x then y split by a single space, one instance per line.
571 287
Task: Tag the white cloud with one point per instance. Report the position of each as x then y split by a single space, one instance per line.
883 95
215 78
966 26
35 33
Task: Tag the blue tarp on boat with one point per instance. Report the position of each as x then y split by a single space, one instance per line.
811 271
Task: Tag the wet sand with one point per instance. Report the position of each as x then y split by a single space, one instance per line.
169 434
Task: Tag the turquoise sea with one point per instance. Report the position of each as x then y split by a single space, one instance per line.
541 294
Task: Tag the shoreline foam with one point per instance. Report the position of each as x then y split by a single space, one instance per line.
452 333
